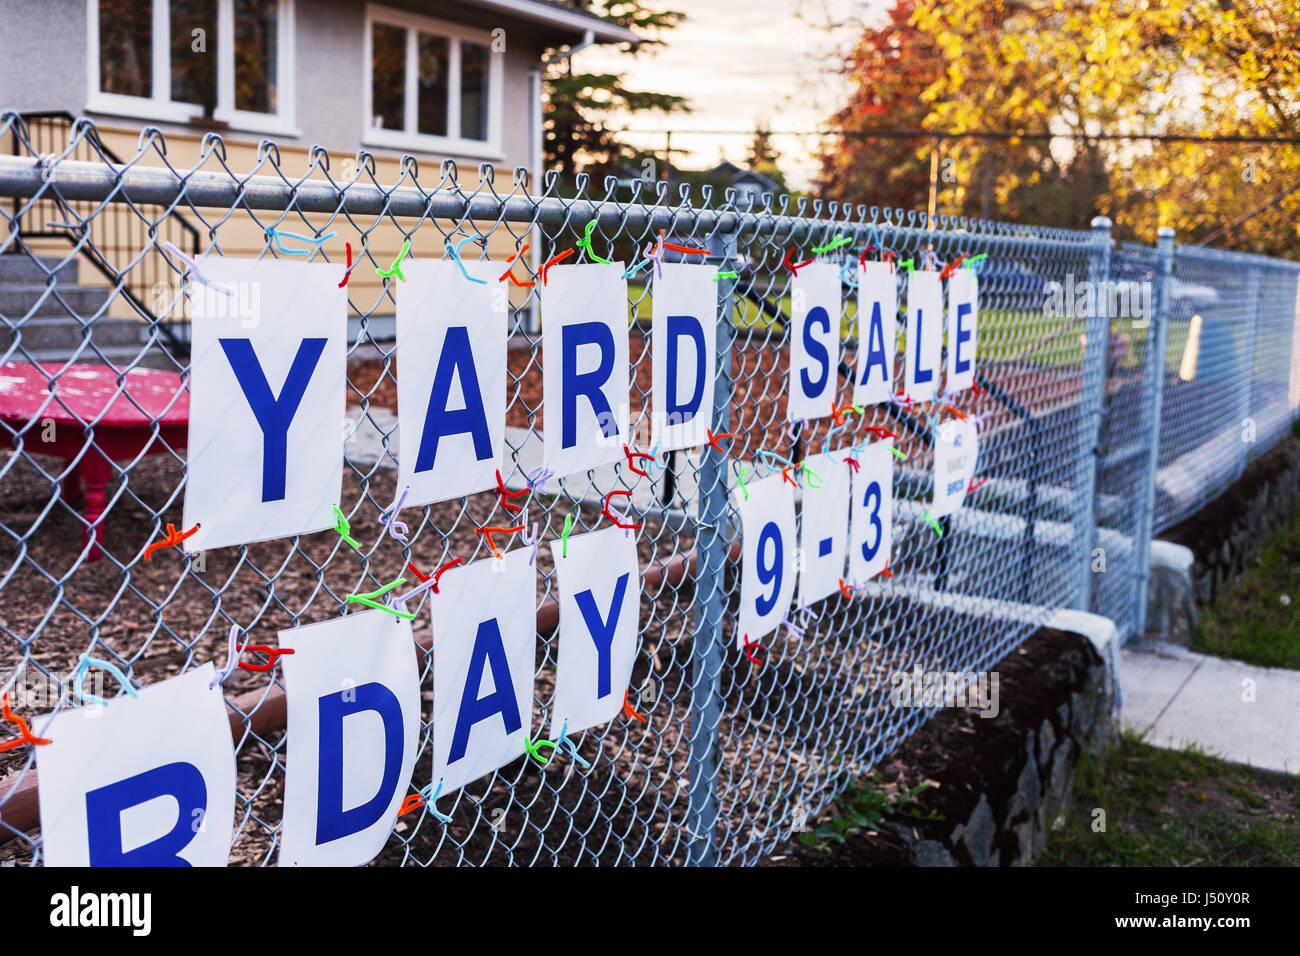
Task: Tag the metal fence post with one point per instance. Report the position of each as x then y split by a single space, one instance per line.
1096 349
1152 400
1246 372
711 546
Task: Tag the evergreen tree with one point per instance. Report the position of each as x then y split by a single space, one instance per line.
577 105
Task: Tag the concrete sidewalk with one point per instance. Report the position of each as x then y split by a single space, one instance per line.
1242 713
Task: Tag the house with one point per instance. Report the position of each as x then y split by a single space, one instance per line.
749 184
438 79
456 79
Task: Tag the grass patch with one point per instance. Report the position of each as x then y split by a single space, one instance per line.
1256 617
1176 808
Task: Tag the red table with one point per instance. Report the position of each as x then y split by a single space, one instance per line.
147 414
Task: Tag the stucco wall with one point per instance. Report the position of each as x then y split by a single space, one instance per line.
43 55
43 67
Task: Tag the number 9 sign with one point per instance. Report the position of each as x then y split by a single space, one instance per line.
768 573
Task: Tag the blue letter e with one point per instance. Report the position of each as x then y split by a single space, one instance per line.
332 821
104 807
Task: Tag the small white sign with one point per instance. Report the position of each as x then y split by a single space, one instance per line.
767 563
585 387
600 604
451 390
873 512
149 781
267 404
956 452
814 341
484 641
924 337
352 688
823 526
877 333
684 328
963 327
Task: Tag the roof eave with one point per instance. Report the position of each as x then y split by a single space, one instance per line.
580 23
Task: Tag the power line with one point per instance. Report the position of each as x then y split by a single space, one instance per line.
1258 210
897 133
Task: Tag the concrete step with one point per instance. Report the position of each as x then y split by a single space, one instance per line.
20 268
26 301
62 332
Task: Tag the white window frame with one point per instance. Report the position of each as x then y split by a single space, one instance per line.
407 138
160 107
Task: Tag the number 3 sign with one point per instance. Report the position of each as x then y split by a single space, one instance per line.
871 532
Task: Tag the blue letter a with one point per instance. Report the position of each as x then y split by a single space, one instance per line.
875 347
488 649
274 415
332 821
458 359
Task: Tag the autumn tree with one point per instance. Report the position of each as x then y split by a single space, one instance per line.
892 64
1095 72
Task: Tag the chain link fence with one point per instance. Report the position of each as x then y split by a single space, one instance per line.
717 759
1231 379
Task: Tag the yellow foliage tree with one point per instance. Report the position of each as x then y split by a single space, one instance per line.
1094 72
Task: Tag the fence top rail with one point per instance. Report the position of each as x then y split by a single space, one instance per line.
102 182
150 177
1229 257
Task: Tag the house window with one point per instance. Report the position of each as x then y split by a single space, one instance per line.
433 86
177 60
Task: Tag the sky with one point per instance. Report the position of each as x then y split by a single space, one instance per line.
740 63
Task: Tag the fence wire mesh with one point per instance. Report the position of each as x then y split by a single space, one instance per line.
1230 381
721 760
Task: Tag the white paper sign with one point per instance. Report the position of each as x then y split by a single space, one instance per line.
148 781
451 386
963 325
924 337
683 330
956 451
872 531
600 603
767 562
824 526
814 341
877 333
352 688
268 367
585 388
484 640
